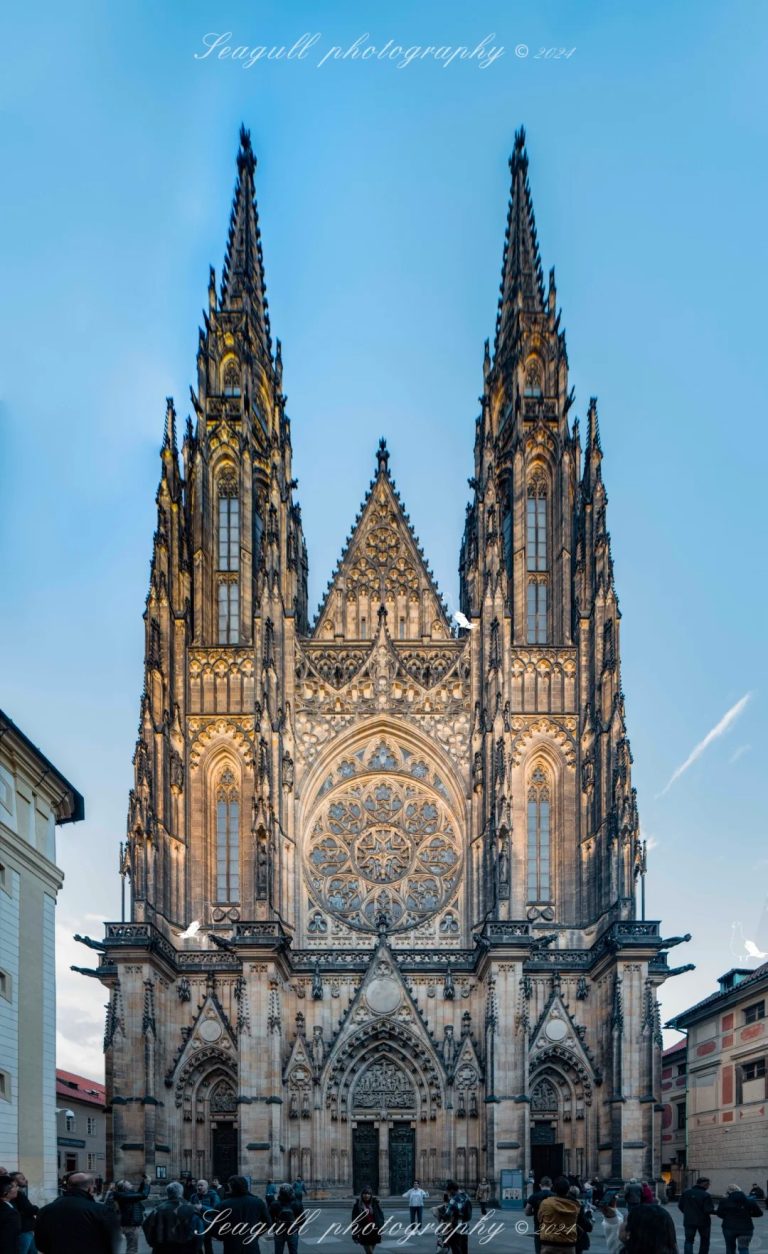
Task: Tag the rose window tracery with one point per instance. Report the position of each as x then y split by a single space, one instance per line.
383 852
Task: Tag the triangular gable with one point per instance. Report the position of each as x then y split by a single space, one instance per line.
382 564
210 1029
382 995
557 1027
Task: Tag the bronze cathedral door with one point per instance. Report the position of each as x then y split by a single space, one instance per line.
402 1157
365 1158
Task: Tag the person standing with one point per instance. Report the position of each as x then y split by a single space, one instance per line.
242 1220
129 1202
270 1193
697 1207
76 1223
416 1197
483 1195
458 1213
206 1202
367 1220
10 1220
299 1189
174 1227
559 1219
27 1213
286 1211
737 1212
633 1193
532 1208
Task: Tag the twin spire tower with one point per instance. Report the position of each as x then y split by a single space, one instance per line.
413 852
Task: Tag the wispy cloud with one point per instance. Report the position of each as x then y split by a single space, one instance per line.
717 731
739 753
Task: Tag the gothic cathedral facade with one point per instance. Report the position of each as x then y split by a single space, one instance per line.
409 852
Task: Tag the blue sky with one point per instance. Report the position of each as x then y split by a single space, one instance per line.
383 197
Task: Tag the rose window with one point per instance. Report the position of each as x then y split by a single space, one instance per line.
383 853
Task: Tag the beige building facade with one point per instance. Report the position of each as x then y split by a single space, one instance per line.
727 1093
81 1124
34 798
409 852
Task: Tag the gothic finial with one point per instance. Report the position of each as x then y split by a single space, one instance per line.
211 290
382 457
242 277
169 440
522 285
593 426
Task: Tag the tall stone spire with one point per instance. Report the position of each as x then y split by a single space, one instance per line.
242 281
522 285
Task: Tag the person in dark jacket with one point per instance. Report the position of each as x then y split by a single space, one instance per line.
697 1207
648 1229
240 1210
368 1220
174 1227
532 1208
285 1212
207 1203
76 1223
27 1213
633 1193
10 1220
737 1212
129 1203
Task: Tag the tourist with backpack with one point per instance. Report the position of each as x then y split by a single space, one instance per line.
737 1212
286 1211
174 1227
458 1213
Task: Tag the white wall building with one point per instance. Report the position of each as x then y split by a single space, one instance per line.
34 797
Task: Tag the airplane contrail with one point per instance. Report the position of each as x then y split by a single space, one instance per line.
718 730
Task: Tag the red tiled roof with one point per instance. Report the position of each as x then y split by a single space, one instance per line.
673 1049
79 1088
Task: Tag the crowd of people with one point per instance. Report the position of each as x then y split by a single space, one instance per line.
194 1213
633 1219
191 1216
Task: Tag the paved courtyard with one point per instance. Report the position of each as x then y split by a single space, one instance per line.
514 1236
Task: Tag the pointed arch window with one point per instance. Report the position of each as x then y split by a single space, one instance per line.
229 611
533 377
537 611
227 839
231 379
229 523
536 546
539 882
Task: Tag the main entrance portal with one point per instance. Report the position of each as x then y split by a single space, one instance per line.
224 1146
402 1157
365 1157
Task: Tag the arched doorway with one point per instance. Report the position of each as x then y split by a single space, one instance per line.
561 1095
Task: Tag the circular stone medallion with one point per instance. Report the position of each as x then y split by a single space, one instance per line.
383 995
210 1030
556 1030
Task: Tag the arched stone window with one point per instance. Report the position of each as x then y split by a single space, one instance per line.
229 522
231 378
227 838
533 377
539 880
536 546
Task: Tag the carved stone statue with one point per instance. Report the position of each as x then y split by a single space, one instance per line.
449 1047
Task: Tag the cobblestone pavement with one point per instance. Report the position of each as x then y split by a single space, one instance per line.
515 1237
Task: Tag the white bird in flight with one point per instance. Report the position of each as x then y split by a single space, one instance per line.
753 951
191 931
463 621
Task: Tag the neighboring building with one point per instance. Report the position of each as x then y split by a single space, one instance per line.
34 797
81 1124
418 851
727 1097
673 1141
